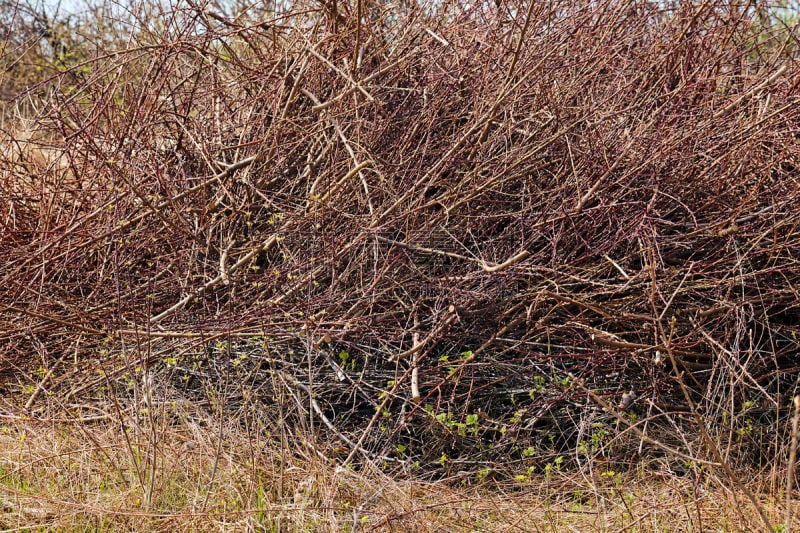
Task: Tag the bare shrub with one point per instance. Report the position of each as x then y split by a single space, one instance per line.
511 211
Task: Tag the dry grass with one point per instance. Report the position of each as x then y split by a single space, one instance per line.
79 476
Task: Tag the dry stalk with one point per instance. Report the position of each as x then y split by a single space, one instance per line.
792 461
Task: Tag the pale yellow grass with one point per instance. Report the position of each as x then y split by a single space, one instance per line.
103 477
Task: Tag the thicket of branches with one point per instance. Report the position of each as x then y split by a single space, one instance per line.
439 232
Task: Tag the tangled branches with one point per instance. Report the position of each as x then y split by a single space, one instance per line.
417 212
